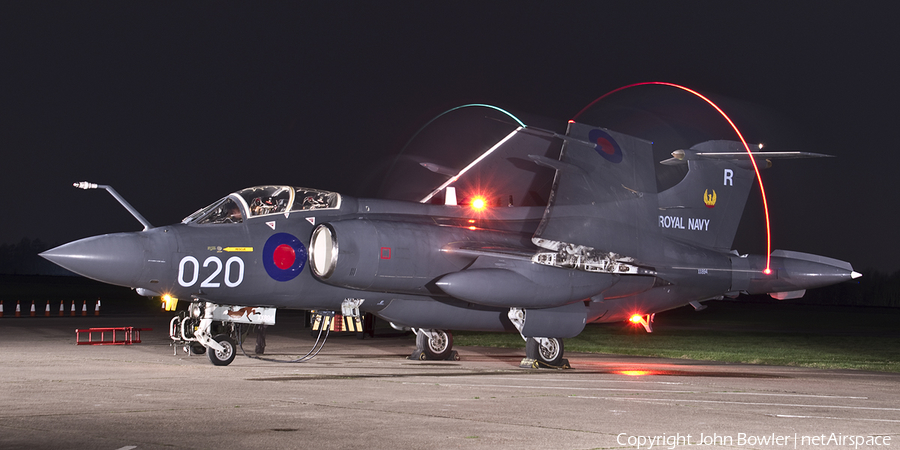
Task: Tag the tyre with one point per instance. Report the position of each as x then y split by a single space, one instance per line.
438 348
547 350
222 357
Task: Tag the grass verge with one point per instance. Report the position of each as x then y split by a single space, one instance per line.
757 332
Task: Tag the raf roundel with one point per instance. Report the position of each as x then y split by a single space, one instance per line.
284 256
606 146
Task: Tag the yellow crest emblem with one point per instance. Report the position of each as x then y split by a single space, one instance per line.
709 199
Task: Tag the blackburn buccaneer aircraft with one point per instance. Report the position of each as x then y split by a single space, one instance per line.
606 247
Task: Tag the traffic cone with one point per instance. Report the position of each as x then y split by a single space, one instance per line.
18 309
1 308
32 308
62 310
72 311
84 308
97 308
47 309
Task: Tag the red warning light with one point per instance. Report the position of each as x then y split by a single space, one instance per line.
479 203
636 319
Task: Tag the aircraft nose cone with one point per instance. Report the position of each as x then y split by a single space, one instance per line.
111 258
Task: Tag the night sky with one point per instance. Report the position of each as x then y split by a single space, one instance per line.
177 104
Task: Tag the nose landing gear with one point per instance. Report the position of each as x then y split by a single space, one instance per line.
225 356
210 328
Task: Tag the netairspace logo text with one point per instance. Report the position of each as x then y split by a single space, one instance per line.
673 441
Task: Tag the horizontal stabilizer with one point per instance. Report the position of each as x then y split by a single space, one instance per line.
682 156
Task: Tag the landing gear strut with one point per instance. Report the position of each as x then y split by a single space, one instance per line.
434 345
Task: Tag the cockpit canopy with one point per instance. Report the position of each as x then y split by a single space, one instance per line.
261 201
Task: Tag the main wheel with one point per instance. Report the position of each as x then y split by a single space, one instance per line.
438 348
548 350
222 357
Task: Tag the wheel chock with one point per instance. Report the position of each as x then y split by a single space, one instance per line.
419 355
531 363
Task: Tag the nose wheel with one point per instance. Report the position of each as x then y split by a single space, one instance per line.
225 356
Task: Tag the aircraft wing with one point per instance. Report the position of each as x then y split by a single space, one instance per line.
604 193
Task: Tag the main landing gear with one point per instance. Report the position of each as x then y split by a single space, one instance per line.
544 353
434 345
540 352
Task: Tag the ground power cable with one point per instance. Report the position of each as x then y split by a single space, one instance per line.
317 347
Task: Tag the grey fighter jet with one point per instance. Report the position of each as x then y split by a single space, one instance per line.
606 247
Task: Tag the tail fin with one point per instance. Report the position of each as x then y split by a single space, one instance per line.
705 208
604 195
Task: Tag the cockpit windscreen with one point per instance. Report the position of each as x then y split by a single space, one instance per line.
261 201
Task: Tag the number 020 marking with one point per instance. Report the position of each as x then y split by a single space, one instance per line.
188 276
